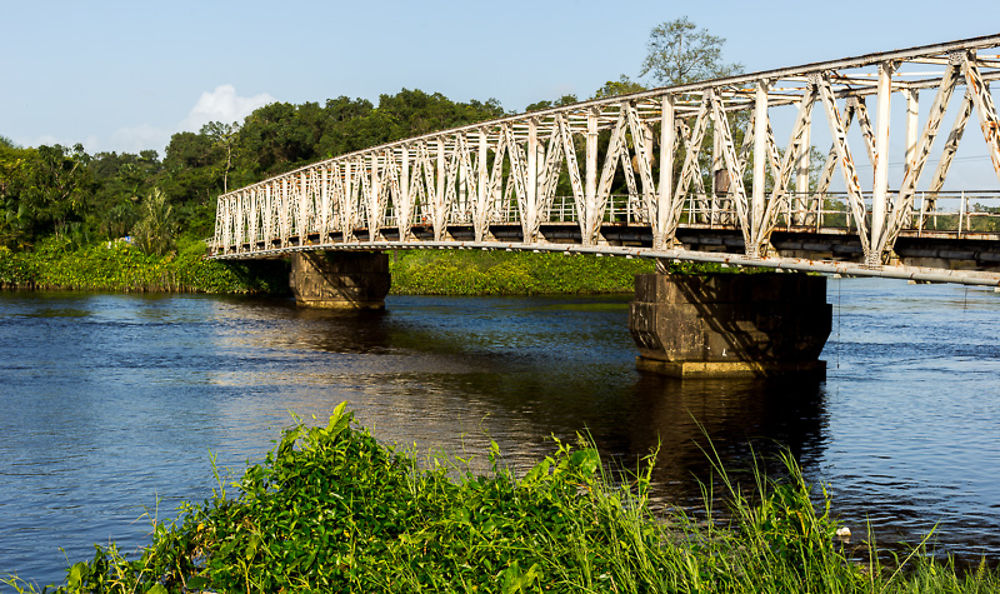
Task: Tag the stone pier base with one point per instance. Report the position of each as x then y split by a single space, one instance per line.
340 280
730 325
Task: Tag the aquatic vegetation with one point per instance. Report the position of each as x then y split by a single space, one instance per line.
331 509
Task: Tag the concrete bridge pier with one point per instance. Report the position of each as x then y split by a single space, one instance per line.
730 325
340 280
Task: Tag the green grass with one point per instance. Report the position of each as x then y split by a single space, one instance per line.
333 510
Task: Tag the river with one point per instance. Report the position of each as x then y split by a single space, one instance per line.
112 405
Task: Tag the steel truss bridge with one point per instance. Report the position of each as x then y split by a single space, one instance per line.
698 171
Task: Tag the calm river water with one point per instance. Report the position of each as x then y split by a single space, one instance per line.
112 403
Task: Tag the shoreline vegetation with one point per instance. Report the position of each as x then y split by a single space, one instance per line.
120 267
331 509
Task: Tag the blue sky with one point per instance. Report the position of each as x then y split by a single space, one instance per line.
126 75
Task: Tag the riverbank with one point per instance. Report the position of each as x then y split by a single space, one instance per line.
331 509
119 267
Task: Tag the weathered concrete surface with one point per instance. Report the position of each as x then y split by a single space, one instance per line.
340 280
730 325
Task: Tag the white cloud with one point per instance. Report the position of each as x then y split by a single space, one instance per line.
139 138
223 105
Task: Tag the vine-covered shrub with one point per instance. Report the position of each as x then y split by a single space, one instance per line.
421 272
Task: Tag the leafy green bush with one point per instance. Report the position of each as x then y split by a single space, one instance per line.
333 510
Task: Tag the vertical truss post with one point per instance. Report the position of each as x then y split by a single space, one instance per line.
234 222
668 132
219 222
253 217
239 220
530 213
462 187
759 161
374 216
222 225
440 210
303 222
404 210
590 177
482 221
228 225
880 189
346 203
324 205
912 125
720 177
268 219
283 217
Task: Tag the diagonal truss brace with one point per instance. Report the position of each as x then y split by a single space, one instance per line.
851 182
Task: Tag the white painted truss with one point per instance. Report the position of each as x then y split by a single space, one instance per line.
466 185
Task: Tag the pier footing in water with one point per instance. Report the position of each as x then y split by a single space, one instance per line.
340 280
730 325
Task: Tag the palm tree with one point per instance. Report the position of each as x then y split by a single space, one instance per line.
154 232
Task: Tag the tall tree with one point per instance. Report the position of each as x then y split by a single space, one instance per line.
680 53
224 136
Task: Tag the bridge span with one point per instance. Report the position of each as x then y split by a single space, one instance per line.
690 173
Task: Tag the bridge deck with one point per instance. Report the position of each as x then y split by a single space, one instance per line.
936 257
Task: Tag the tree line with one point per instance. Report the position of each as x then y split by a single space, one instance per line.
66 194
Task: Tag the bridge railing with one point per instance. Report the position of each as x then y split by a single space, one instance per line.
957 213
960 213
